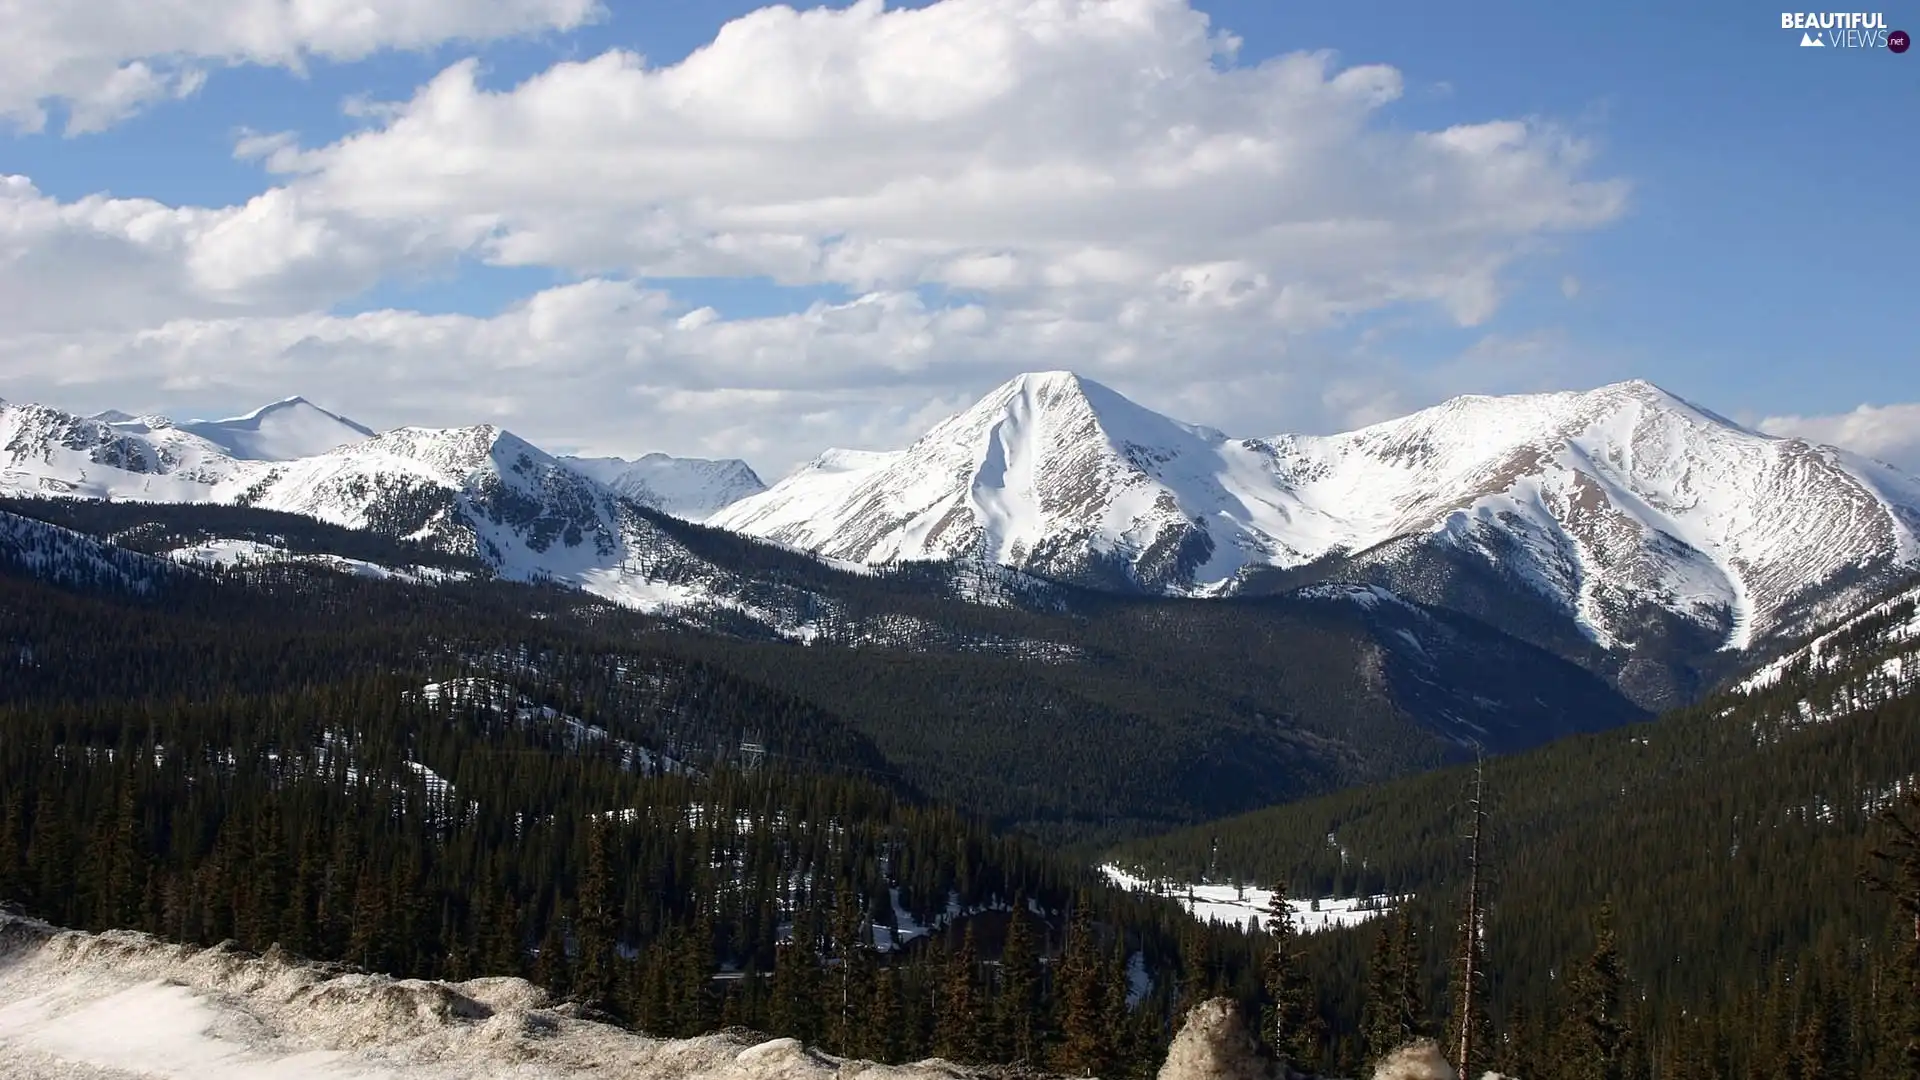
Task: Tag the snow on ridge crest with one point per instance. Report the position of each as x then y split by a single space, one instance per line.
1607 500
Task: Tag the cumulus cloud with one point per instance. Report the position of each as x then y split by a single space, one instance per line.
103 263
106 59
1087 151
1000 185
599 366
1889 433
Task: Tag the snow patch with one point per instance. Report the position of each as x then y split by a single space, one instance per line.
1236 905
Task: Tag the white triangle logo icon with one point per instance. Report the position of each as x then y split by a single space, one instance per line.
1808 41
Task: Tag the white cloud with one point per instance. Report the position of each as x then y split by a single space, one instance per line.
1101 182
1083 149
601 365
106 59
1890 433
102 263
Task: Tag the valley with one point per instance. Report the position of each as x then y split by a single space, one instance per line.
253 647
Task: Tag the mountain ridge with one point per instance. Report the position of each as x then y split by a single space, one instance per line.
1618 505
1632 531
281 431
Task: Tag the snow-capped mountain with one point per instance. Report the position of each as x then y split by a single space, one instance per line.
283 431
45 451
1608 504
479 490
690 488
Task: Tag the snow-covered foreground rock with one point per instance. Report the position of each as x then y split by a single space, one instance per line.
121 1005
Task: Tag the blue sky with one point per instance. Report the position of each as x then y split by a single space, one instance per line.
1760 259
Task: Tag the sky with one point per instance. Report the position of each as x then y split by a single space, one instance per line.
714 229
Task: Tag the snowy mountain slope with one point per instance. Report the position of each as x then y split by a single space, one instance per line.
1609 503
44 451
227 553
488 493
282 431
1049 472
690 488
477 491
1852 664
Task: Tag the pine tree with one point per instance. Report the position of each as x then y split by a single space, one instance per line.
1471 1034
596 928
49 859
1895 872
1820 1049
270 877
127 862
794 1010
1292 1018
957 1028
694 961
502 949
297 932
1082 1046
853 976
1017 1007
880 1034
655 1006
552 969
1126 1053
1196 971
13 847
367 939
1597 1032
1394 1014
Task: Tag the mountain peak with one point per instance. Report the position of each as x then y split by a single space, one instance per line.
1659 397
1046 380
1065 402
285 430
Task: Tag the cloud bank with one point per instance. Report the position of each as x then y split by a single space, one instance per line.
992 186
1889 433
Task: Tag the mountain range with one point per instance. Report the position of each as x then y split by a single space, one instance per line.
1595 523
1631 532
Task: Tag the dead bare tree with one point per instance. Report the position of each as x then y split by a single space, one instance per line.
1470 998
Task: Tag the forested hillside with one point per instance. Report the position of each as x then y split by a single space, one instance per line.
1070 715
688 829
1728 841
182 769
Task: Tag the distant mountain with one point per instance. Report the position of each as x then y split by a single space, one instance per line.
282 431
1602 520
1624 529
477 491
474 491
690 488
